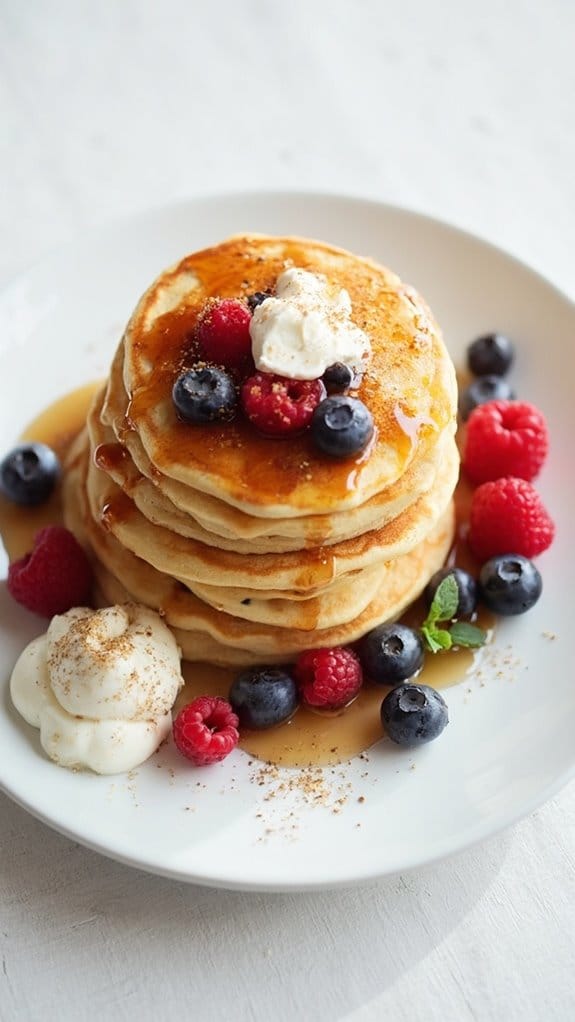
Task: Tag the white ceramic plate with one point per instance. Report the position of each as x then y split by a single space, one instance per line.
509 745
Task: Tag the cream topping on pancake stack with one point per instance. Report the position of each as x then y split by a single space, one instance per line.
255 547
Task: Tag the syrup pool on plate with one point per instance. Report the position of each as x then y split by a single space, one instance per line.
56 426
309 738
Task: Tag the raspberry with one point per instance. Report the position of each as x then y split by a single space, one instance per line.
224 332
505 438
54 577
277 405
508 515
206 730
329 678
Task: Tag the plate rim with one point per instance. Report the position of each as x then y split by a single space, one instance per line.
482 834
78 235
124 223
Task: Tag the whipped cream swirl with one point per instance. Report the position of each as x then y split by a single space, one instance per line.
306 327
100 686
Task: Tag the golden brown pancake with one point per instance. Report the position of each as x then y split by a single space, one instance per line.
409 385
205 633
312 569
255 548
233 529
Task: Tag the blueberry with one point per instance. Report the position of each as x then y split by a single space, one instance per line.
338 376
29 473
391 653
256 299
491 355
466 586
202 395
509 584
341 426
414 714
263 697
486 388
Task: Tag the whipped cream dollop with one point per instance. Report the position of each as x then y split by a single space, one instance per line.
306 327
100 686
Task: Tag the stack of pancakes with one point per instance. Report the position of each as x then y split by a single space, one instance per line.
256 548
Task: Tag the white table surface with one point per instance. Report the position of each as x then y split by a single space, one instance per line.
465 110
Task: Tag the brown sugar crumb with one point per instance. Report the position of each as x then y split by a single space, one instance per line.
496 664
361 798
289 795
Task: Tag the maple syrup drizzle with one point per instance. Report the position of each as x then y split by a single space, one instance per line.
309 738
263 469
110 457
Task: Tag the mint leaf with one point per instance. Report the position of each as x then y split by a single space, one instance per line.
429 641
436 639
444 608
443 637
444 605
464 634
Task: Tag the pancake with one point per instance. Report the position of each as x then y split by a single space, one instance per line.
311 569
256 548
117 452
409 385
210 635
